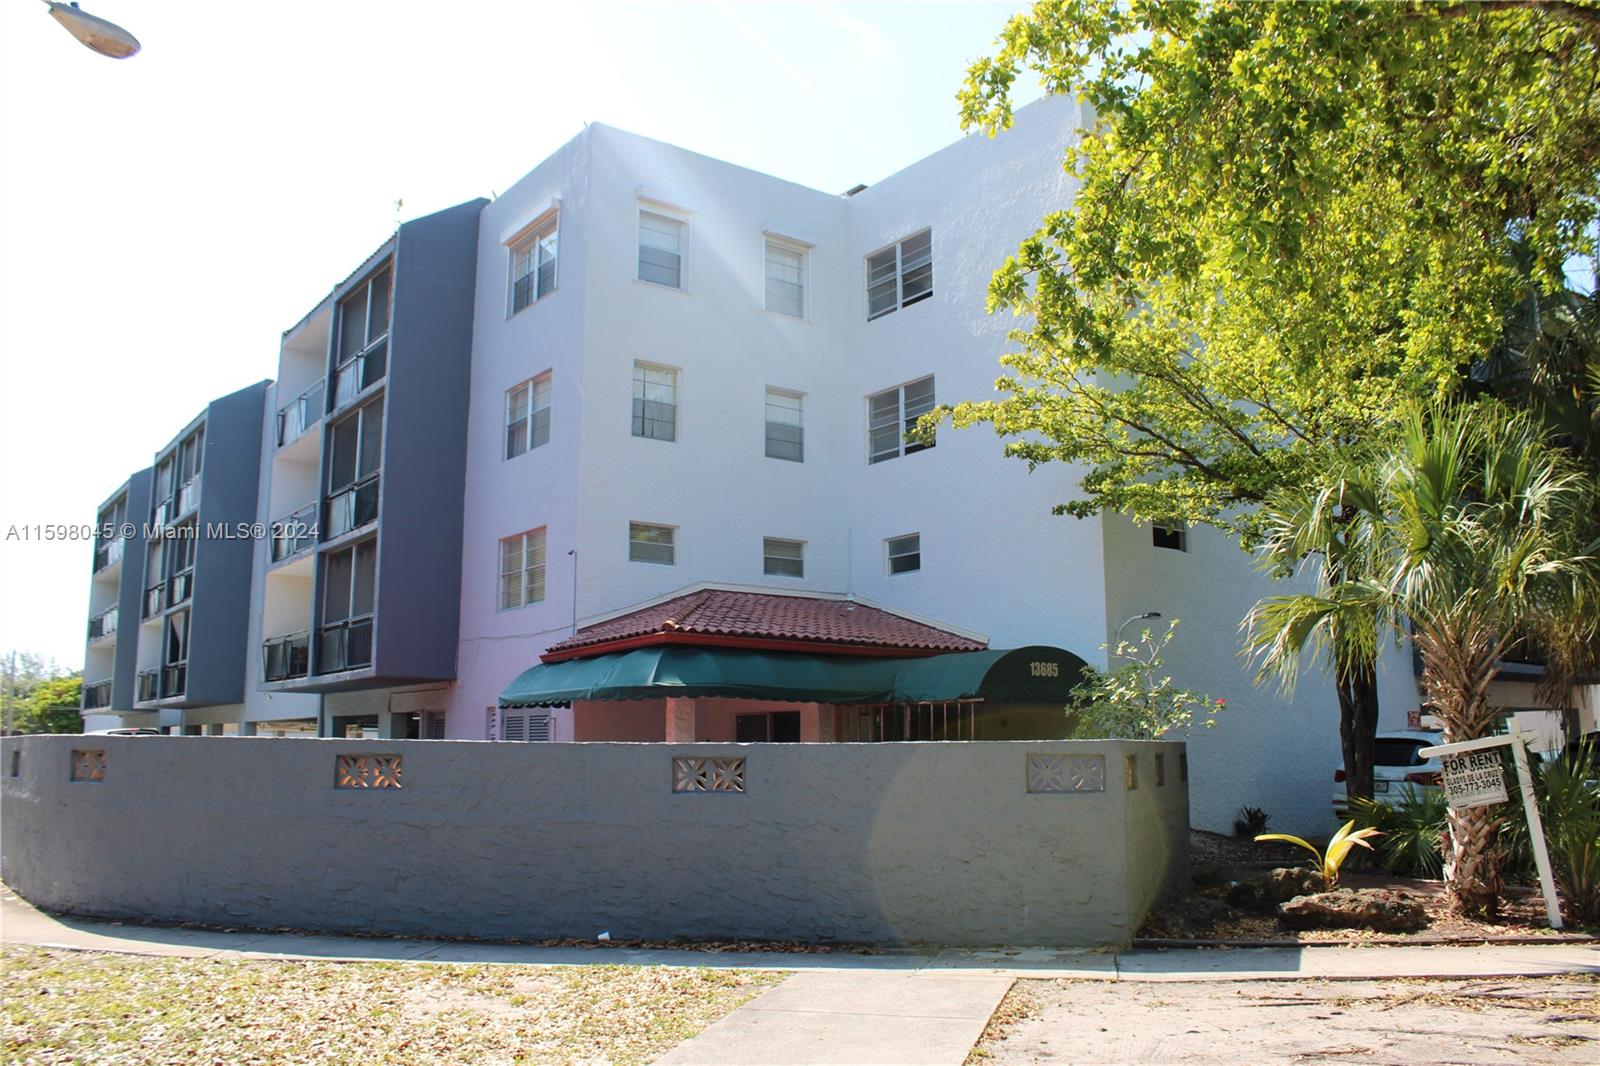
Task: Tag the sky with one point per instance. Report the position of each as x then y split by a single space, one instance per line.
164 218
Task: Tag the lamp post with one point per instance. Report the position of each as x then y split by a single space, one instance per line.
1116 642
94 32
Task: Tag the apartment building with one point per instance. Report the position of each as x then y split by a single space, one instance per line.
116 590
647 407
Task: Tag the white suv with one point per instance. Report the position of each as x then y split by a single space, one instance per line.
1397 770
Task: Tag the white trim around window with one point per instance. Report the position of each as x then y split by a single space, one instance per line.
892 414
900 274
786 273
528 415
786 425
903 554
662 247
783 558
531 262
522 569
651 543
655 401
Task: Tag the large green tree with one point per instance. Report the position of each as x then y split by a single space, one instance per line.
1292 221
53 706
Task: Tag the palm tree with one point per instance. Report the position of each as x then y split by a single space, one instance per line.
1474 538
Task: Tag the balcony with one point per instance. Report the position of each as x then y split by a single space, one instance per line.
97 695
353 508
294 534
300 414
284 658
174 678
353 377
148 686
154 600
107 553
180 587
344 645
189 495
103 624
162 514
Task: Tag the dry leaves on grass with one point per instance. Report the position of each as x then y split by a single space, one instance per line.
62 1006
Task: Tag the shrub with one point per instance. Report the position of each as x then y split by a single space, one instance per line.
1568 791
1328 861
1252 822
1413 832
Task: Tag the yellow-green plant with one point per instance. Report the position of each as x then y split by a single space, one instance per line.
1329 861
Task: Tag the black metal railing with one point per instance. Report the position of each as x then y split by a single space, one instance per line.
97 695
354 376
174 679
148 686
353 508
300 414
107 552
103 624
294 534
344 645
283 658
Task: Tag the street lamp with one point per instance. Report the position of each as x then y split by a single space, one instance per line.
94 32
1117 640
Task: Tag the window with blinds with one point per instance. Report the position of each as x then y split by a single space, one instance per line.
533 266
786 429
528 415
786 278
660 250
900 275
522 569
652 544
905 553
655 402
525 726
783 558
892 414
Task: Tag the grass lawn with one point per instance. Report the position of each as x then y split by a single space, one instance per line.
72 1006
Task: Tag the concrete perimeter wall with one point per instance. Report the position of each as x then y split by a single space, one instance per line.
941 843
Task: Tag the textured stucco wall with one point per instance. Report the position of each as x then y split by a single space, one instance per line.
918 843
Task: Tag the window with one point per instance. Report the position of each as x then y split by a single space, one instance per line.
349 590
522 570
355 453
660 250
892 414
361 357
525 726
783 558
651 544
905 553
900 275
655 402
786 278
1175 538
533 265
528 416
777 726
786 425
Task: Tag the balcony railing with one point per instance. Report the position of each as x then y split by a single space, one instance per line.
352 508
163 514
189 495
353 376
149 686
293 535
300 414
103 624
174 678
180 586
154 600
344 645
97 695
107 552
286 657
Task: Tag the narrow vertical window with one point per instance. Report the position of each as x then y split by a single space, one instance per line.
786 431
655 402
652 544
533 265
528 415
900 275
783 558
522 564
660 250
786 278
905 553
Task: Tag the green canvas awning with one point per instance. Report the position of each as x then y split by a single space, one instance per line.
1025 675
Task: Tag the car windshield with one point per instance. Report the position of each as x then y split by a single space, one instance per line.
1395 752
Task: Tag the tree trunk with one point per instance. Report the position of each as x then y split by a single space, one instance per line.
1358 725
1472 861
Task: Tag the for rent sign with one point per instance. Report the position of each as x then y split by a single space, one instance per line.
1474 778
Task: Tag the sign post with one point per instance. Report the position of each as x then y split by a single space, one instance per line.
1473 777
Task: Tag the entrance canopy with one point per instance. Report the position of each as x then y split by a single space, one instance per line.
1035 674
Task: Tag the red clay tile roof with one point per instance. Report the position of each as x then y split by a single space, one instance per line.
723 617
